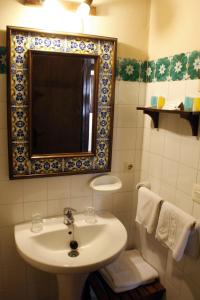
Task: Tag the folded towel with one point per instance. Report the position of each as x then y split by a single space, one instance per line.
128 272
148 209
173 230
193 246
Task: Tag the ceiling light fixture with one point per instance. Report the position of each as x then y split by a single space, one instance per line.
83 9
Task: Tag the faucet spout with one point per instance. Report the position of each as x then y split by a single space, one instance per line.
68 215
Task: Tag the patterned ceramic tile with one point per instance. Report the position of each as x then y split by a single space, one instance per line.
129 69
2 60
194 65
105 86
178 68
19 87
80 46
46 166
143 71
150 71
162 69
21 164
106 58
19 47
39 42
103 122
19 123
21 42
81 164
101 159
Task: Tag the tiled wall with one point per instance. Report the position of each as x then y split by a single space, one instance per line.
19 199
170 160
178 67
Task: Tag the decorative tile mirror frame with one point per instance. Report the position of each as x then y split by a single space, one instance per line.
19 42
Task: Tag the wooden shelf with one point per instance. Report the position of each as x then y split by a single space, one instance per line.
191 117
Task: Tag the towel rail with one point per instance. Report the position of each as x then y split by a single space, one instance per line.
143 184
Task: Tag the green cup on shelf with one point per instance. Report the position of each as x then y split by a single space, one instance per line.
154 100
188 103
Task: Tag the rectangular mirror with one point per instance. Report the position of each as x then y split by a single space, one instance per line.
60 102
63 99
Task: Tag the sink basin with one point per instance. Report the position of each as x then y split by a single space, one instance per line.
98 245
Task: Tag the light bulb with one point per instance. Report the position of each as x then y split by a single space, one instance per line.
83 9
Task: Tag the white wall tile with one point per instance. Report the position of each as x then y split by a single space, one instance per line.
157 141
186 177
58 188
155 166
126 116
11 192
55 207
189 151
121 158
127 180
80 186
172 146
142 94
35 190
169 172
167 192
177 90
11 214
184 201
126 139
81 203
103 201
192 88
31 208
122 202
128 93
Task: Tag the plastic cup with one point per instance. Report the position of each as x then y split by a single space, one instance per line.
160 102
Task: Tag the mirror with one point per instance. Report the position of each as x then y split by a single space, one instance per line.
60 102
63 95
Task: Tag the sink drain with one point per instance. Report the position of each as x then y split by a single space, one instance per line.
73 253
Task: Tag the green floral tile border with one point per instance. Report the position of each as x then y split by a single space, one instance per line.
178 67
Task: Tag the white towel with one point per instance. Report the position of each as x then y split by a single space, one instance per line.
128 272
148 209
173 230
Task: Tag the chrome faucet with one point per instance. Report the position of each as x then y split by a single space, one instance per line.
68 215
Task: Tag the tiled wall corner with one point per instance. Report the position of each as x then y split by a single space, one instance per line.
170 160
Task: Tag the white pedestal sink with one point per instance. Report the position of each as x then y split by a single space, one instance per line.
99 244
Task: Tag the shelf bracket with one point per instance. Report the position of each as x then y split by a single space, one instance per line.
154 116
193 119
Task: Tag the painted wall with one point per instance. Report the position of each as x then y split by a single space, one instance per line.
20 199
120 19
174 27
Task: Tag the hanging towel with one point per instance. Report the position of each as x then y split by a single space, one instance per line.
173 230
193 246
129 271
148 209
